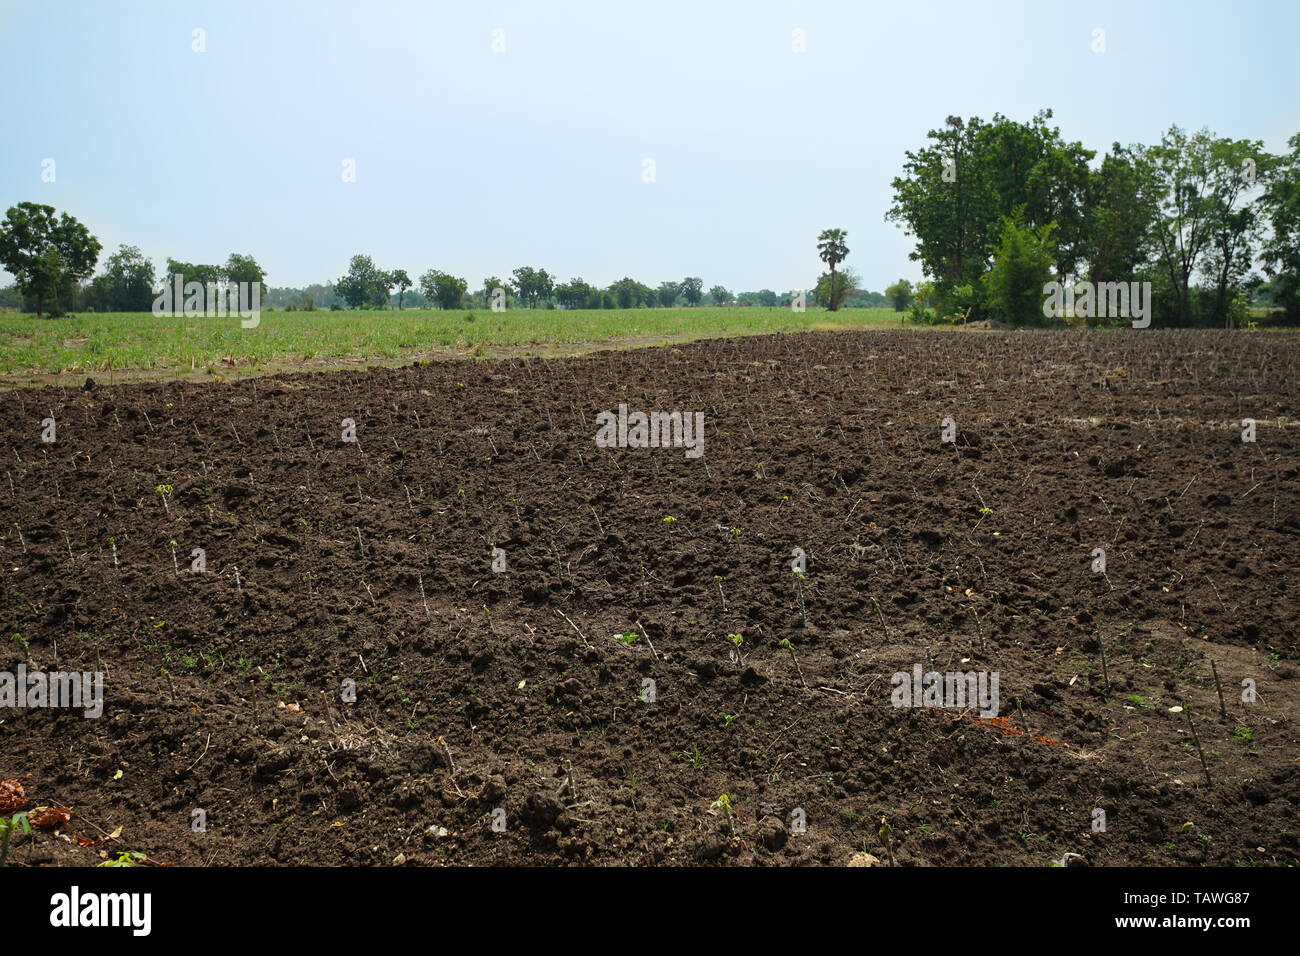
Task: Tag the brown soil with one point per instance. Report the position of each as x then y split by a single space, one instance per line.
976 557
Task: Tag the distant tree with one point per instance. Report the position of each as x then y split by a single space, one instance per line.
833 288
46 255
574 294
531 285
631 294
900 293
719 295
832 250
447 290
241 268
208 276
360 285
692 290
126 284
381 291
667 293
403 282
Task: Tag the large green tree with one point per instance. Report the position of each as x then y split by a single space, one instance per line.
1280 253
1203 221
364 284
955 193
1123 204
692 290
127 283
532 285
833 288
46 254
445 289
1022 266
574 294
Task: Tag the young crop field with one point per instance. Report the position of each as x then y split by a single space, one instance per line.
109 343
473 612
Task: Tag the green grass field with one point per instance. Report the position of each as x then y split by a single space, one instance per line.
140 342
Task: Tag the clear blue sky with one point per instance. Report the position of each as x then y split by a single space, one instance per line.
476 162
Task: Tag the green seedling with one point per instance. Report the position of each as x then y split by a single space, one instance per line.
627 639
668 520
736 640
21 642
7 825
125 858
727 719
163 491
785 642
723 805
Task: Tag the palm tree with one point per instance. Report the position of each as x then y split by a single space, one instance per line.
832 250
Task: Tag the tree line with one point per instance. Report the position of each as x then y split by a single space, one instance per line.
52 258
1000 208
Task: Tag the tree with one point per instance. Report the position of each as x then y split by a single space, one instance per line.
692 290
719 295
574 294
532 285
46 255
900 293
667 293
403 282
1022 266
1184 173
381 290
127 284
363 284
208 276
241 268
954 194
834 287
1280 254
832 250
631 294
447 290
1123 203
1235 222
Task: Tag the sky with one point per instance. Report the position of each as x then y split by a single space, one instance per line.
490 135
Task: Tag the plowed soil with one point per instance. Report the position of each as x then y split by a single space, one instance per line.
481 690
